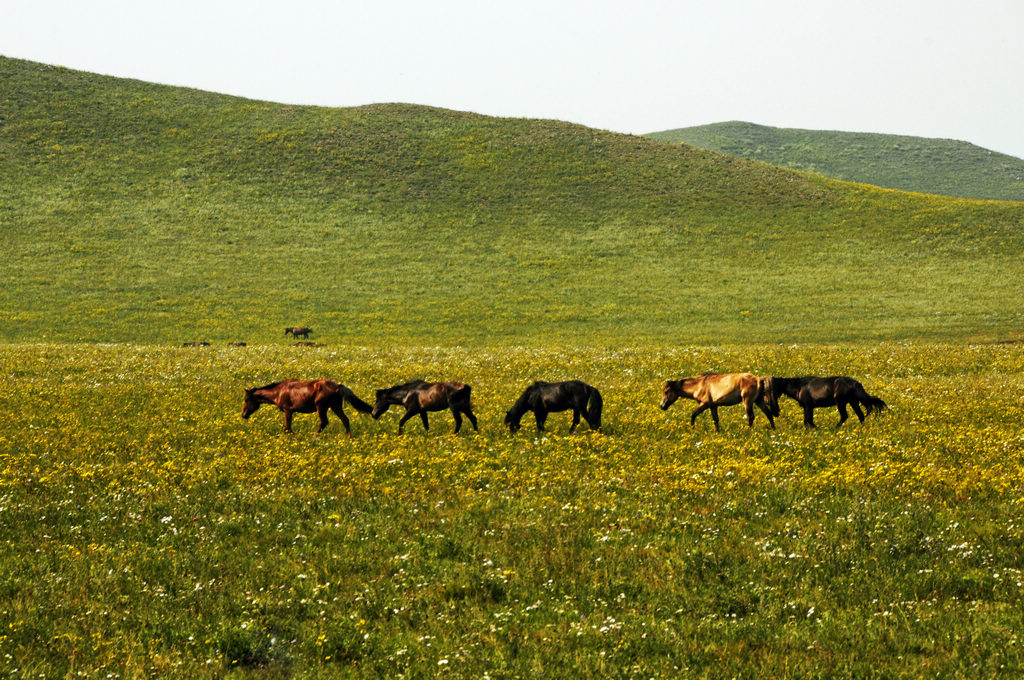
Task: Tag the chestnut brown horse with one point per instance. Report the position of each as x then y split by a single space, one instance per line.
304 396
812 392
712 390
297 331
418 397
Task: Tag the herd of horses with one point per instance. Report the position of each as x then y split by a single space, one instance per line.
710 391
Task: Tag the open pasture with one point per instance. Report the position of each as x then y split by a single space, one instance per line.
146 530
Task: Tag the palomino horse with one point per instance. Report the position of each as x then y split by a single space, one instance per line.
418 397
712 390
812 392
304 396
544 397
297 331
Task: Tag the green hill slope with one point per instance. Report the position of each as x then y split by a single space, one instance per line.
935 166
144 213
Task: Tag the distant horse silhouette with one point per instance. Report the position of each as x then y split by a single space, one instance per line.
712 390
309 343
298 331
304 396
196 343
544 397
236 344
419 397
812 392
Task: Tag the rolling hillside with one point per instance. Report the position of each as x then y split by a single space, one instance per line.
935 166
131 212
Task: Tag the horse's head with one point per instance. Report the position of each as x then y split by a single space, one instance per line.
380 407
511 423
669 393
770 395
250 404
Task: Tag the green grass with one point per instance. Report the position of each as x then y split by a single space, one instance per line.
132 212
920 164
148 531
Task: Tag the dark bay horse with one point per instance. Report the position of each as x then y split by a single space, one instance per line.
813 392
544 397
418 397
304 396
297 331
712 390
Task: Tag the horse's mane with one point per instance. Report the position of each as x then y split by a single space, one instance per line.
266 387
408 385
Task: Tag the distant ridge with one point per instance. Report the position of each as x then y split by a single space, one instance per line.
934 166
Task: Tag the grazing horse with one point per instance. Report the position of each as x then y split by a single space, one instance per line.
543 398
418 397
813 392
297 331
304 396
712 390
196 343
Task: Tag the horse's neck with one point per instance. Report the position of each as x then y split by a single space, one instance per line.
399 395
519 408
266 396
787 386
690 386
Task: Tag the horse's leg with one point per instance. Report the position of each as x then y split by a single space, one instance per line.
843 415
809 416
344 418
714 416
321 410
458 420
472 418
856 409
575 420
540 415
287 421
764 409
748 404
697 411
409 413
426 423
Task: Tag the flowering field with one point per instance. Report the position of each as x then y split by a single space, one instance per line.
146 530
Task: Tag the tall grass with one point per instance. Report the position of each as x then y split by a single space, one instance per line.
148 531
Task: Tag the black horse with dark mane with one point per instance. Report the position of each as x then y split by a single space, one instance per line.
812 392
544 397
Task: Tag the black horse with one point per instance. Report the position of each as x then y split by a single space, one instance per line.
543 397
418 397
813 392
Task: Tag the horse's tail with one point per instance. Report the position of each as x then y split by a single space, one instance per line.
870 403
357 403
462 395
594 406
766 391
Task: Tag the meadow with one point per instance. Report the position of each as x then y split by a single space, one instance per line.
147 531
132 212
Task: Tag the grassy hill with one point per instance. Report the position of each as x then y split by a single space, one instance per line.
935 166
143 213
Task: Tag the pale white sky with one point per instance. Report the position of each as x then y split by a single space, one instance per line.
933 68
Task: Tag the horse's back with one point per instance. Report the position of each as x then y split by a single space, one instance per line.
728 388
